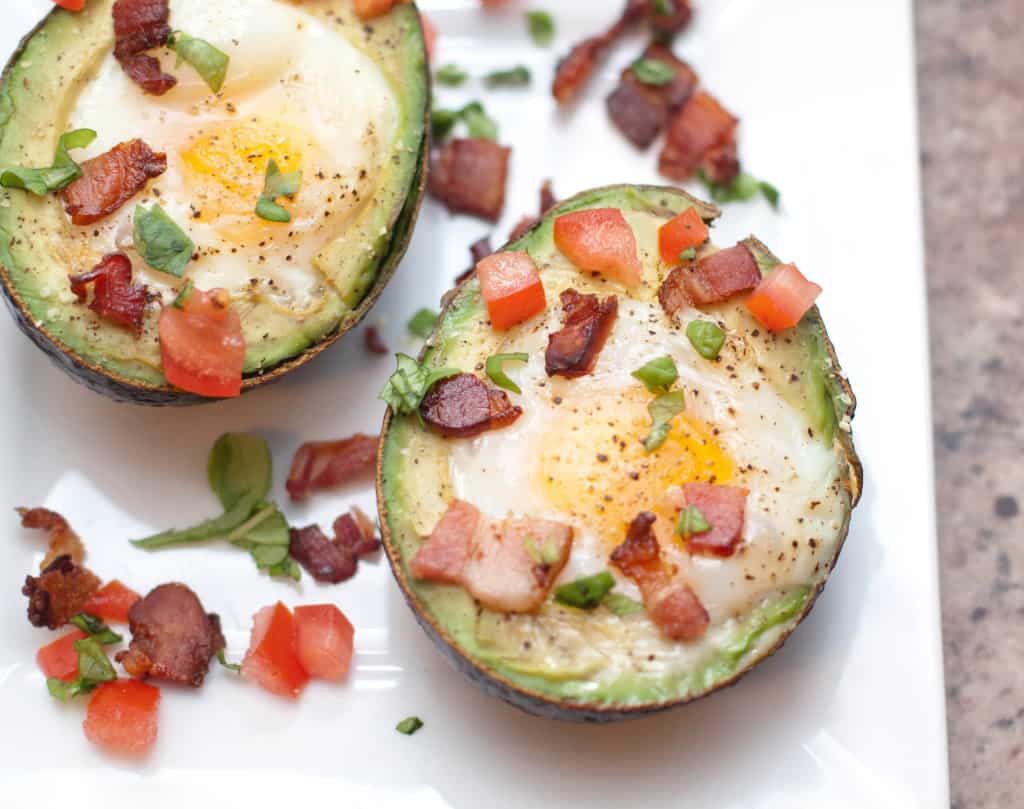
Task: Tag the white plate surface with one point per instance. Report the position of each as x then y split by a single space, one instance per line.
849 715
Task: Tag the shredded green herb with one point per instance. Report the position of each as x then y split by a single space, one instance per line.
691 522
663 409
658 375
95 628
182 296
210 63
450 75
94 668
541 26
222 659
496 373
276 184
689 254
409 725
478 124
621 605
586 592
743 188
707 337
653 72
422 323
63 172
162 244
518 76
410 382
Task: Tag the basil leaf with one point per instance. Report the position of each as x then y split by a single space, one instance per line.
450 75
95 628
422 323
161 243
443 121
93 664
745 187
548 554
770 193
208 529
224 661
409 725
586 592
663 409
479 124
239 465
706 337
276 184
691 521
289 568
210 63
410 382
497 374
653 72
182 296
689 254
63 172
266 536
541 26
518 76
658 375
622 605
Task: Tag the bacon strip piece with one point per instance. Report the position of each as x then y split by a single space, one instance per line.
114 298
110 180
320 465
495 560
334 561
700 126
356 532
723 508
469 174
712 279
373 341
58 592
462 406
639 110
572 350
722 164
672 605
140 25
173 637
63 541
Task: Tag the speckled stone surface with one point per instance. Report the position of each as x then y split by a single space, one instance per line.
971 87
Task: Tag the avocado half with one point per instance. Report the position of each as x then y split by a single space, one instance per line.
413 479
44 76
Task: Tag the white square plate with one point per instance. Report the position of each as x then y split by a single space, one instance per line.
849 714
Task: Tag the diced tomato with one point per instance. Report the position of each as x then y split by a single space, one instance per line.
324 640
600 240
201 345
111 602
680 233
368 9
782 298
122 716
511 288
59 659
272 661
429 35
71 5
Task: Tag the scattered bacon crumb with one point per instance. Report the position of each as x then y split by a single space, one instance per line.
572 350
700 126
373 341
110 180
712 279
469 174
58 592
140 25
462 406
63 541
479 250
334 561
114 298
350 533
641 111
721 164
547 202
320 465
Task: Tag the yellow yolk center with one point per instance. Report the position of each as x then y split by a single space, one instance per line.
594 466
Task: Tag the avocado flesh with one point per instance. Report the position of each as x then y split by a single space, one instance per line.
40 86
563 678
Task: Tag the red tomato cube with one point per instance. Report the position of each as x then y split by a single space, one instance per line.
111 602
325 641
511 288
272 661
59 659
122 716
782 298
202 349
600 240
681 233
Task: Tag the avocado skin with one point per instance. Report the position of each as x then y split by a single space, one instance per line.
495 683
120 388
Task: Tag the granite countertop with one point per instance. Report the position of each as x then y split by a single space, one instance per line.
970 57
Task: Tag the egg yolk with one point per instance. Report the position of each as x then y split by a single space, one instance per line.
593 465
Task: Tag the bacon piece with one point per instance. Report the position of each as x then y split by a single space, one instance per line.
320 465
146 72
324 560
639 110
723 508
173 637
721 164
701 125
572 350
352 532
110 180
712 279
469 174
673 607
63 541
547 201
495 560
140 25
58 592
479 250
114 298
462 406
373 341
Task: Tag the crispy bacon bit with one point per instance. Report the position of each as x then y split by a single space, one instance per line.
701 125
712 279
640 110
320 465
722 164
58 592
723 507
352 532
173 638
672 605
140 25
469 174
373 341
462 406
572 350
110 180
63 541
114 298
324 560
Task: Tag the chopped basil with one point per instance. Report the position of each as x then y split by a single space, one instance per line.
658 375
451 75
182 296
663 409
266 536
161 243
210 63
95 628
547 554
664 7
621 605
496 373
689 254
410 382
239 465
422 323
586 592
691 522
62 173
653 71
94 667
409 725
224 661
541 26
276 184
442 122
742 189
706 337
518 76
478 123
